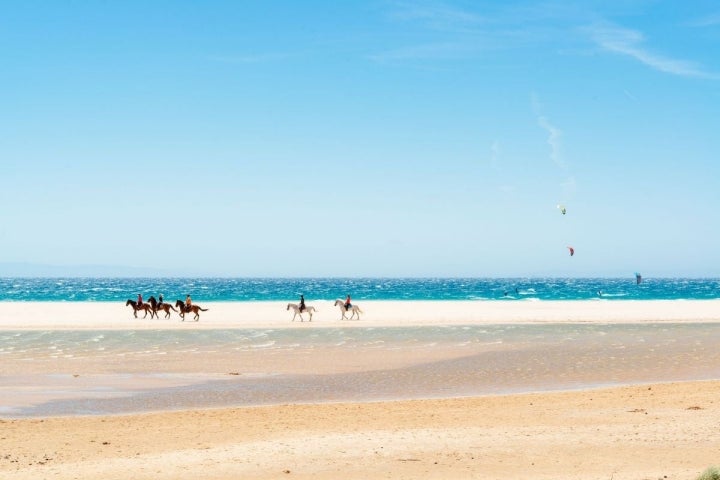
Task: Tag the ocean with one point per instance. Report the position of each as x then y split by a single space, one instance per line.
287 289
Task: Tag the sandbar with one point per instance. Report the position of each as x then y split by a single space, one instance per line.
116 315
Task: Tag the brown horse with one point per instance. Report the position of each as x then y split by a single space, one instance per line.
137 307
183 309
165 307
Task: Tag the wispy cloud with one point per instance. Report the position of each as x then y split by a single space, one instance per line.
629 42
446 32
454 32
554 133
464 30
630 96
554 140
437 15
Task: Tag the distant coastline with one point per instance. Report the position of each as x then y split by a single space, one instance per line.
41 270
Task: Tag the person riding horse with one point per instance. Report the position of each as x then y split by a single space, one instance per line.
348 305
302 303
189 307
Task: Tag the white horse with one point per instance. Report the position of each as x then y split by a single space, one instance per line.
296 309
354 309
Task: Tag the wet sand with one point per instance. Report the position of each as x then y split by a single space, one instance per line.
66 372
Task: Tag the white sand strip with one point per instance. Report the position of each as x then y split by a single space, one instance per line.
115 315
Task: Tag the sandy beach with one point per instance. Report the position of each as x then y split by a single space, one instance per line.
639 432
655 423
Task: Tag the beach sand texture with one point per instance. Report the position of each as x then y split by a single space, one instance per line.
649 429
638 432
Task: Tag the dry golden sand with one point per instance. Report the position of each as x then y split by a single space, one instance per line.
639 432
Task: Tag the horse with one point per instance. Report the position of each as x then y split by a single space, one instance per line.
297 311
137 307
165 307
183 309
354 309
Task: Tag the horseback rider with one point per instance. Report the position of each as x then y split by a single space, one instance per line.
188 303
348 305
160 299
139 302
302 303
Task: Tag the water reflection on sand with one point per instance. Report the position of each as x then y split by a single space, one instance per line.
100 372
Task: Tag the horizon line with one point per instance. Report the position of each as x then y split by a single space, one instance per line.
332 277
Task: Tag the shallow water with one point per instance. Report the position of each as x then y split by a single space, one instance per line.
108 372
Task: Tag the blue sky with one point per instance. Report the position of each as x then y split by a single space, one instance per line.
375 138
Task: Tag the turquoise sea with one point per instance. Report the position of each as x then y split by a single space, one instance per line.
282 289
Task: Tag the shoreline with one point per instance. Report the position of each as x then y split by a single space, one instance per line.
376 313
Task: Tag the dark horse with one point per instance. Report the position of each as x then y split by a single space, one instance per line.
137 307
156 307
191 309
